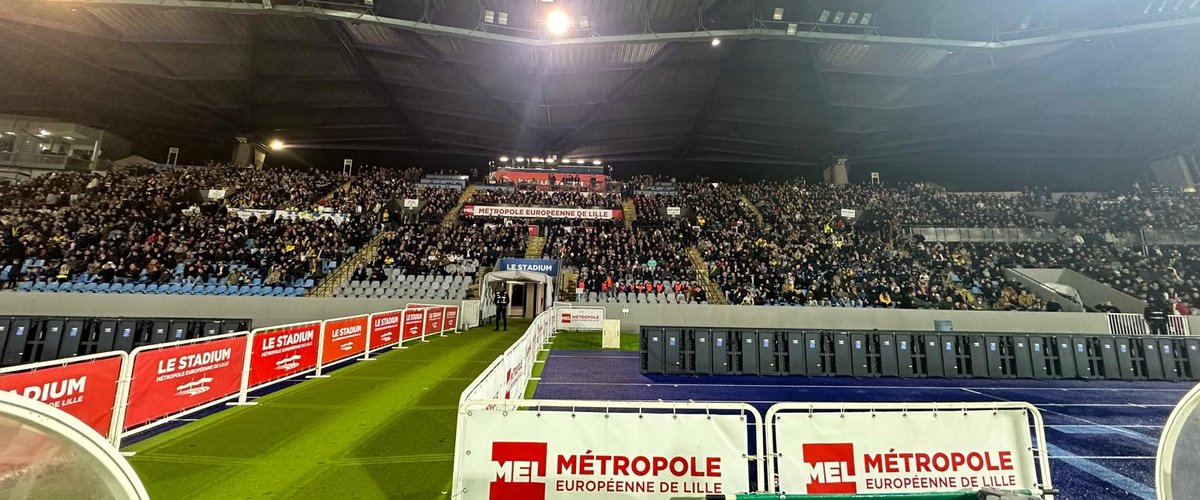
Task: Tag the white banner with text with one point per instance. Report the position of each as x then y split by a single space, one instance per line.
903 452
581 318
528 455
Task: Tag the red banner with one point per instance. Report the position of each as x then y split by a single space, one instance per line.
344 338
414 323
433 320
451 318
170 380
281 353
86 390
385 329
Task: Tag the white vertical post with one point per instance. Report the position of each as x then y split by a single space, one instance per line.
245 388
370 335
320 352
122 403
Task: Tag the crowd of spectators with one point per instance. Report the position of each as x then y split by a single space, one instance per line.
458 249
611 258
145 226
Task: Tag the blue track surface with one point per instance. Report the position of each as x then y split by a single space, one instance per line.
1102 435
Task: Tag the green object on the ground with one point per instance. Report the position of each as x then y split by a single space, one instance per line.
590 341
379 429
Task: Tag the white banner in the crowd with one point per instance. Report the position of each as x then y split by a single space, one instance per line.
581 318
411 203
847 213
246 213
894 452
307 215
214 194
528 455
675 211
540 212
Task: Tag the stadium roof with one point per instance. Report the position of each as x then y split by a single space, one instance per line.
1063 81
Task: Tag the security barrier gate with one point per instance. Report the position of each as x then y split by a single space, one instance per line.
819 353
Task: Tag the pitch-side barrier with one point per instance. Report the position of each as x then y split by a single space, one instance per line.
119 395
507 447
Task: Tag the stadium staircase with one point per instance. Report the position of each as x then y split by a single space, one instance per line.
533 249
344 272
754 210
715 296
630 212
452 215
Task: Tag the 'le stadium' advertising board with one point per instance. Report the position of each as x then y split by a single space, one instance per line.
85 390
343 338
173 379
385 329
283 352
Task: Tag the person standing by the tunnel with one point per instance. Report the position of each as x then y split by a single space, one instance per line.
501 301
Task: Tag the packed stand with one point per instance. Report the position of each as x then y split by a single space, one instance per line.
140 231
545 198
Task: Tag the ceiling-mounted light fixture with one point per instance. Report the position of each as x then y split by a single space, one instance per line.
778 14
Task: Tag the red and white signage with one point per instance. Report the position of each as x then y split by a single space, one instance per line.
86 390
284 352
451 321
433 320
580 318
173 379
343 338
385 329
541 212
414 324
542 455
890 452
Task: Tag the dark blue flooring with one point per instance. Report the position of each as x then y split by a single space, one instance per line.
1102 435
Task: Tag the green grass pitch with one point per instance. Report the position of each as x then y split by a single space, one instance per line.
378 429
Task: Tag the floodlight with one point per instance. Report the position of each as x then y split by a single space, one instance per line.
716 42
489 16
277 145
579 162
520 159
583 22
504 159
557 22
853 18
10 133
791 29
43 132
866 19
502 19
536 160
596 162
267 4
778 14
68 138
824 16
837 18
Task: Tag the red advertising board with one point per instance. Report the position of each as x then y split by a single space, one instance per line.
86 390
284 352
433 320
385 328
414 323
343 338
173 379
451 318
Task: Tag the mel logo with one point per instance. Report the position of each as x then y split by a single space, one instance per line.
518 466
833 468
566 318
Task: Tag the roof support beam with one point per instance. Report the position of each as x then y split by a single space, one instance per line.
454 67
714 91
424 26
368 73
616 93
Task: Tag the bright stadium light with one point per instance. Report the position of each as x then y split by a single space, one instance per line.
503 159
43 132
579 162
557 22
520 159
596 162
277 145
716 42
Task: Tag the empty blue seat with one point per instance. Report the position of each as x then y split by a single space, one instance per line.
52 286
151 288
127 288
255 290
25 286
173 288
220 290
244 290
308 283
103 287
